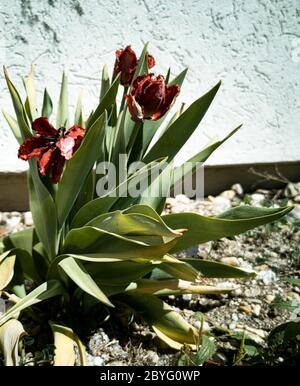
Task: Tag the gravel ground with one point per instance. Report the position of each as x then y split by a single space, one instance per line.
273 251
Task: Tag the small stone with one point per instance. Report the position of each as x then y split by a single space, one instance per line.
232 326
252 292
182 199
237 292
221 204
262 267
291 190
98 361
296 212
229 194
230 261
267 276
297 198
269 298
257 199
245 308
187 297
238 189
256 309
293 295
12 220
234 317
205 326
151 358
28 221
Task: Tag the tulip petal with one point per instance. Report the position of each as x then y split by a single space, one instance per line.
75 132
170 97
134 108
46 160
57 167
33 146
43 127
153 97
126 63
151 61
66 145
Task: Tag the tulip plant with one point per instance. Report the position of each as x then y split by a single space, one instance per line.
90 251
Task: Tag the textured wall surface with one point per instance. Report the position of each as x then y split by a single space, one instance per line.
252 46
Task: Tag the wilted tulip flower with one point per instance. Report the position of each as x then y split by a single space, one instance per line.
51 147
150 97
126 64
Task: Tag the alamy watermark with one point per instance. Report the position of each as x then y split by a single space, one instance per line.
157 179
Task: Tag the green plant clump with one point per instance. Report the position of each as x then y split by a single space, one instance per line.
91 249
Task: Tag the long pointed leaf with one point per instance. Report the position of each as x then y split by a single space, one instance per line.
62 117
47 105
106 102
76 271
45 291
180 131
162 318
31 96
78 168
13 124
18 106
235 221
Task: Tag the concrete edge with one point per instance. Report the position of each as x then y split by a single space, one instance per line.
217 178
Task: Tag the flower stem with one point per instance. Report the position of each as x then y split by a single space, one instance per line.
123 98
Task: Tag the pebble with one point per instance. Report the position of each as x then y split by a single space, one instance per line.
252 292
98 361
229 194
245 308
266 276
220 205
297 198
237 292
182 199
293 295
269 298
292 190
238 189
28 221
232 326
257 199
230 261
296 212
256 309
151 358
197 324
234 317
187 297
11 220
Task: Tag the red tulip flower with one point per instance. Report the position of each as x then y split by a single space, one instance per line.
126 64
150 97
51 147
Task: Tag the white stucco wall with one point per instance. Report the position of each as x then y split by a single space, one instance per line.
253 46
